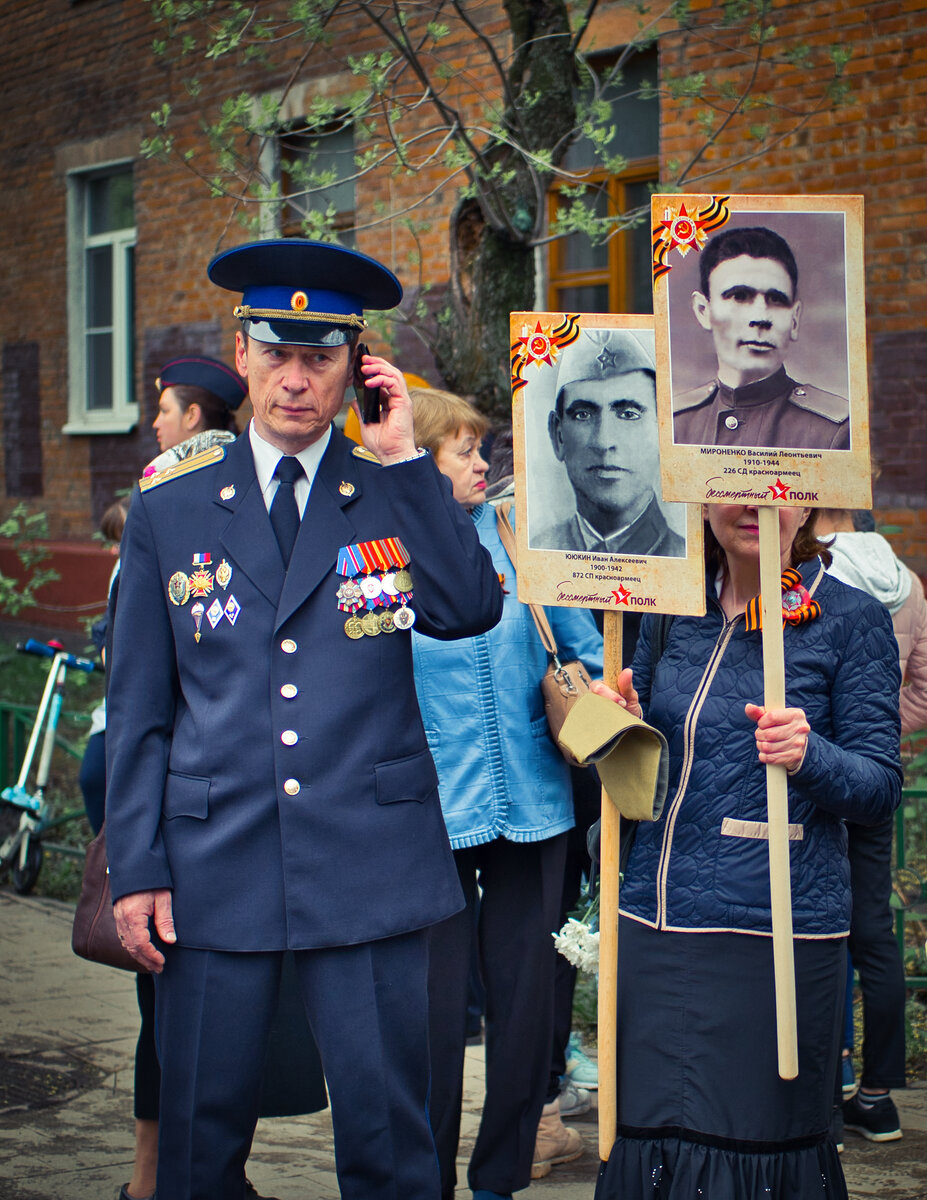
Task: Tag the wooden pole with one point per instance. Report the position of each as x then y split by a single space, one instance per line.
610 854
777 801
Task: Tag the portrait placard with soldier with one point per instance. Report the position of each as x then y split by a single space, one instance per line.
759 322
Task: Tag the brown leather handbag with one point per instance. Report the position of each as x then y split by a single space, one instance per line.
93 935
562 684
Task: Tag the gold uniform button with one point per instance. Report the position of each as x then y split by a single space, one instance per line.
288 646
288 691
291 787
289 737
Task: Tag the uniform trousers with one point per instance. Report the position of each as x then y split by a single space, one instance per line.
367 1008
875 954
521 885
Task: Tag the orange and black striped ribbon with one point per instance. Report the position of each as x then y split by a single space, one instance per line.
798 614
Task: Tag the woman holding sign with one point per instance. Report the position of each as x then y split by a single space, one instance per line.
701 1107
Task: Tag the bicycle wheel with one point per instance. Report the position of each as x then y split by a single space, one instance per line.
24 878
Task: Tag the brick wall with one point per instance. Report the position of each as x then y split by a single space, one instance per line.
875 145
83 76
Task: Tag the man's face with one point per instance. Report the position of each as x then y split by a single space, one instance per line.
607 440
752 315
296 391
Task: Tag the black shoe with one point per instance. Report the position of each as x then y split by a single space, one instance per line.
878 1122
251 1192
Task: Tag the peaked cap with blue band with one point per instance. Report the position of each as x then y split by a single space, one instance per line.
302 292
213 376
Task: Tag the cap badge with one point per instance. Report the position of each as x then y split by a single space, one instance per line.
299 301
607 360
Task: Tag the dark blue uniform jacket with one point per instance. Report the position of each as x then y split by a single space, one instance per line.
301 817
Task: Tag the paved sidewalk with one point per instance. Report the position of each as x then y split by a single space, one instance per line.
67 1039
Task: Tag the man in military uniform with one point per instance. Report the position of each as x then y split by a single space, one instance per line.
269 782
749 303
603 428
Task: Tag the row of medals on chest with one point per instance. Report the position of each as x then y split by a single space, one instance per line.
393 587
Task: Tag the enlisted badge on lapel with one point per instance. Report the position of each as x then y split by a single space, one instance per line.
376 579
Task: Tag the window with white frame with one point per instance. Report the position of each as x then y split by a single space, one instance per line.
101 301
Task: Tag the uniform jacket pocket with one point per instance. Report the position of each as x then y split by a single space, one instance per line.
186 796
411 778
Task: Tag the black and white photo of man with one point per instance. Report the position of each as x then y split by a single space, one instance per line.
603 429
748 300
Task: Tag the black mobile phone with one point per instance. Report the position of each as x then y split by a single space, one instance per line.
372 400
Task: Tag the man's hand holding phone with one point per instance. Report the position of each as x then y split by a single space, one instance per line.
381 387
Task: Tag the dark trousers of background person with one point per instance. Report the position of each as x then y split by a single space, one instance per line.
521 887
875 954
587 806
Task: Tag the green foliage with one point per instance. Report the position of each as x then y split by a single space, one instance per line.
24 530
542 91
915 1038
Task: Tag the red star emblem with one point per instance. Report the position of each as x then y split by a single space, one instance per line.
538 346
682 232
780 490
622 596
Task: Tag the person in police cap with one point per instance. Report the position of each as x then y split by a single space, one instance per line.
197 401
748 301
269 782
603 428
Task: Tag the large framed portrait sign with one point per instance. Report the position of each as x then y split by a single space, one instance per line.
592 527
760 331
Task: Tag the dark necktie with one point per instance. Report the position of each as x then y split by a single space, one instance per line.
284 511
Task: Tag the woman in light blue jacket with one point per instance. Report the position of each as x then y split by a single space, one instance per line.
507 802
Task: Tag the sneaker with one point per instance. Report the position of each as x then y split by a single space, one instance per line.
877 1122
555 1143
574 1101
848 1076
581 1069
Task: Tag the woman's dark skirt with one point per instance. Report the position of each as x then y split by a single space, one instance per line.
702 1111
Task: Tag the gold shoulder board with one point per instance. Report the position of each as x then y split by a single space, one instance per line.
365 454
205 458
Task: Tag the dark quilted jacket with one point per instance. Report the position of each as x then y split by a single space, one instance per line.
704 864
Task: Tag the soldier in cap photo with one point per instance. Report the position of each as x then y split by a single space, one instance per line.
603 428
269 783
748 301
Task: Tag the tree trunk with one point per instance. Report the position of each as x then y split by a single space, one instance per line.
491 276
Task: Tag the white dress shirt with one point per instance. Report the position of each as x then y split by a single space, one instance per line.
267 456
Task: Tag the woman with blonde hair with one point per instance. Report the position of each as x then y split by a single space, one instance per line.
507 803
